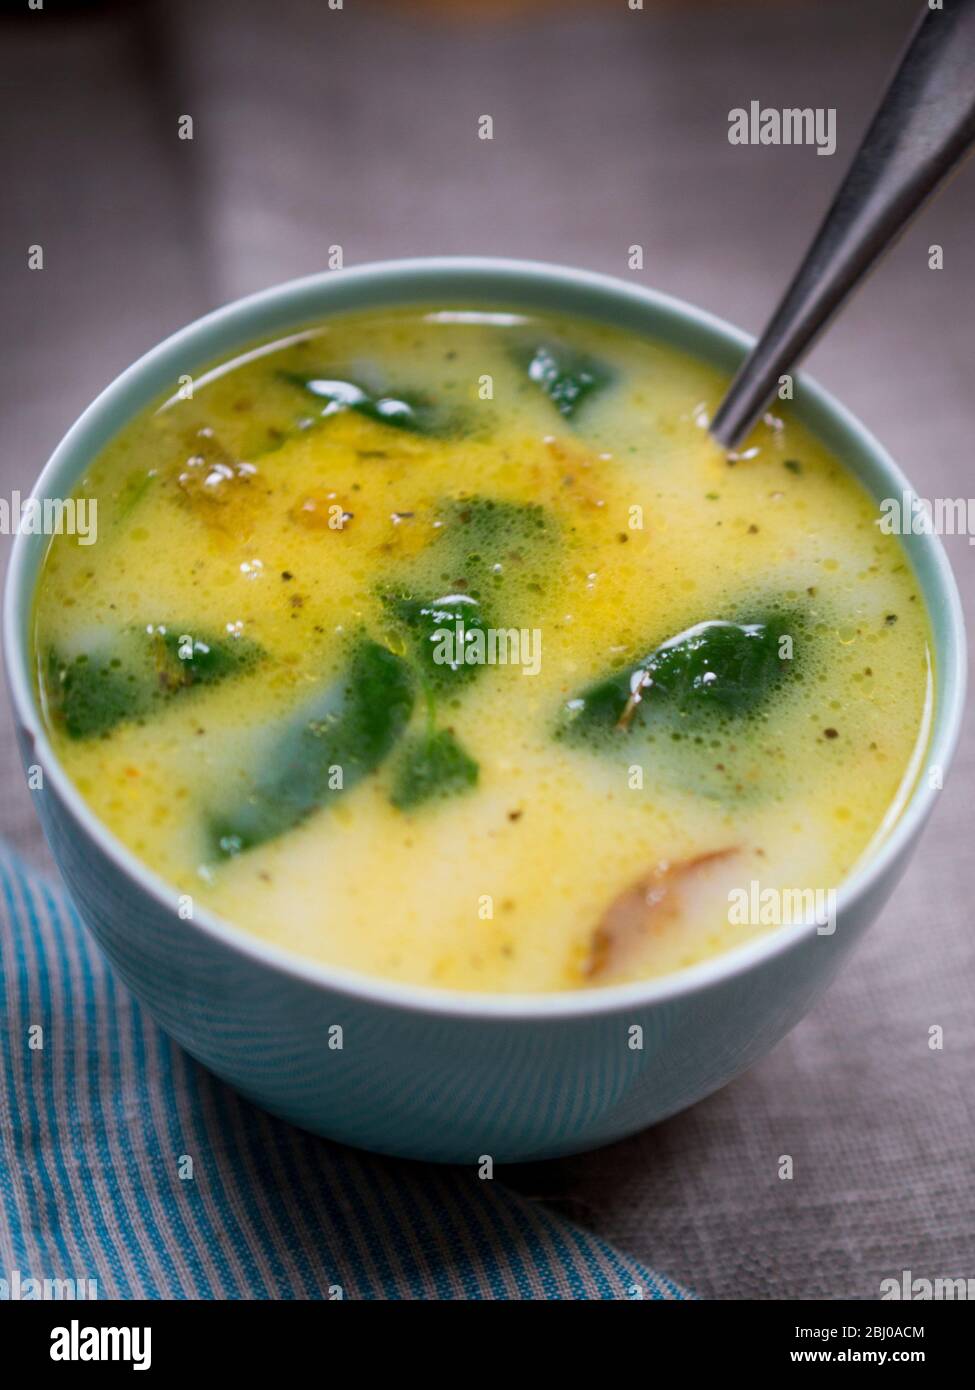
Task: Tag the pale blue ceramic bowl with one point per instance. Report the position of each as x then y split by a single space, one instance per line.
424 1073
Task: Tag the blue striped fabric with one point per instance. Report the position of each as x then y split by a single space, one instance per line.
125 1163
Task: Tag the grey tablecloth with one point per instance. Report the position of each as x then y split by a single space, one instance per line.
358 126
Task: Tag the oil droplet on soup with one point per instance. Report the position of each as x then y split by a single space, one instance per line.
447 647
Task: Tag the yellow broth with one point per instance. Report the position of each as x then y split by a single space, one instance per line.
277 528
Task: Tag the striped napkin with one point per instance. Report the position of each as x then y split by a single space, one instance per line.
129 1170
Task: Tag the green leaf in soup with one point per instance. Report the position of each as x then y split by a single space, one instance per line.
124 676
566 375
322 752
492 544
401 410
441 633
89 694
715 667
487 522
190 660
431 766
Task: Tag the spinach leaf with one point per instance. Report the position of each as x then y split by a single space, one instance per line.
443 632
481 542
326 750
125 676
432 764
567 376
440 631
496 524
491 545
90 693
190 660
404 410
720 667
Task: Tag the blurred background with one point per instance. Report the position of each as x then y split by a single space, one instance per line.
357 126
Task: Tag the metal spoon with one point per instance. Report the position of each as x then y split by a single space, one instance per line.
925 125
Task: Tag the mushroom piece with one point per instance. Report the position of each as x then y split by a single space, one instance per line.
642 912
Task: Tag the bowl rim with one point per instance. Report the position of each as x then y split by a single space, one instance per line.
75 451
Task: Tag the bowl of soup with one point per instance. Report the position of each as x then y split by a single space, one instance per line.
453 747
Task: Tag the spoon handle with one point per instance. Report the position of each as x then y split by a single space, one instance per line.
924 126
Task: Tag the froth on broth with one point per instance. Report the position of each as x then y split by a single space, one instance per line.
447 647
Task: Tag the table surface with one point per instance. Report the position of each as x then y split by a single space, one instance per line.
358 127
